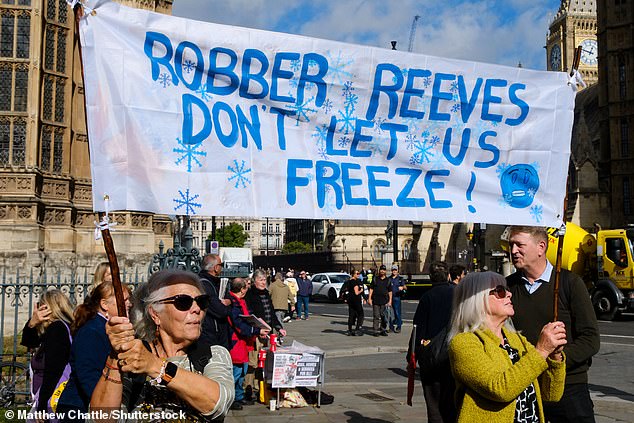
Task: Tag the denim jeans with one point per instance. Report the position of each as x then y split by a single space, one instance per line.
397 321
239 372
302 306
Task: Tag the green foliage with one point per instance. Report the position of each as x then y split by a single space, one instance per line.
232 235
296 247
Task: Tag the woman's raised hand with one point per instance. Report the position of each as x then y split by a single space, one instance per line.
41 314
551 339
119 331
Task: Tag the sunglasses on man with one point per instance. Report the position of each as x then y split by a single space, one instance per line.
184 302
499 291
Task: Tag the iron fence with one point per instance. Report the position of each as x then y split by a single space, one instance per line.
19 293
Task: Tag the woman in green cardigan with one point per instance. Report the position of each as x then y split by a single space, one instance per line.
500 376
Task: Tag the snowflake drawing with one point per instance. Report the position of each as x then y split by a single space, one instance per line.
537 213
410 139
302 110
347 89
454 87
347 120
189 66
377 125
427 81
423 152
296 65
165 80
404 72
379 145
455 108
351 101
337 68
344 141
327 106
531 192
293 83
329 208
321 152
433 141
501 168
189 152
203 92
239 174
312 63
187 202
320 134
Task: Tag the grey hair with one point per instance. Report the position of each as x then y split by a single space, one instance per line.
209 261
146 296
471 305
259 273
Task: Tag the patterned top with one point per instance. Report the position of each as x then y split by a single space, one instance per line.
526 404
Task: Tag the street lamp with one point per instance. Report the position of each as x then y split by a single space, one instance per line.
343 243
364 243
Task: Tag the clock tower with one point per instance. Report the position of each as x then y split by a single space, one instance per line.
575 24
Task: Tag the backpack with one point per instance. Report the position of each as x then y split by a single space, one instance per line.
344 292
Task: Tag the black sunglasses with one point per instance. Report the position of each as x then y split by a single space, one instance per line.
499 291
184 302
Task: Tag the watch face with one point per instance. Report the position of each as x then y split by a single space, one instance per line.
589 52
555 58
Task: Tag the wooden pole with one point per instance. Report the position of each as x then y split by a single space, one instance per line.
560 241
105 231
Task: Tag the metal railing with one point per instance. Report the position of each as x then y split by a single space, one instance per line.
19 293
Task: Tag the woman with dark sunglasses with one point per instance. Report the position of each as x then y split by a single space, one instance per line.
500 376
163 368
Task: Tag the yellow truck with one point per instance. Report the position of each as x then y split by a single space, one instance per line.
604 260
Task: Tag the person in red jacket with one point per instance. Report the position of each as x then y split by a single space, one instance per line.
242 339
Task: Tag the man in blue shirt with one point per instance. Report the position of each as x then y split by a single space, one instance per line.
398 291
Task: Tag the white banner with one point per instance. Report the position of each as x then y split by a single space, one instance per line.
187 117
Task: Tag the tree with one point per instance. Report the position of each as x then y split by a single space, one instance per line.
232 235
296 247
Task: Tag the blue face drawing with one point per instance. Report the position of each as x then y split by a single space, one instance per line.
519 185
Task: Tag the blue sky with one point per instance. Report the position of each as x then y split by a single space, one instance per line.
493 31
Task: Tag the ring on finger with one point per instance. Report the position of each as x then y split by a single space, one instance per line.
121 362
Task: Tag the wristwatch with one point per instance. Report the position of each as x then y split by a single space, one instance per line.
170 372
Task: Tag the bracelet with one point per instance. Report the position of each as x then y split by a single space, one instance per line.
111 367
157 380
107 378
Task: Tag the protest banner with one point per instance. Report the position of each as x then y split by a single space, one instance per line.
194 118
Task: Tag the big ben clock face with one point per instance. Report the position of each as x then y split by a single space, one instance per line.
589 51
555 58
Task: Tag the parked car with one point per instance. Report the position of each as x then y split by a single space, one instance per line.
328 285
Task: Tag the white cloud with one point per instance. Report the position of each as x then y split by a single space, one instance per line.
503 31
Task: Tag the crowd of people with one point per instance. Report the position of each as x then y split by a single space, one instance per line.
190 342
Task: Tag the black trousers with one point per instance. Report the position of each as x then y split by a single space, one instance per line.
355 316
575 406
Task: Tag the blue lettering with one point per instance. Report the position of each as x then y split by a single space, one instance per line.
257 77
330 147
253 126
467 104
323 180
148 48
178 61
410 92
438 95
488 147
230 139
373 183
226 71
390 90
403 199
431 186
464 145
519 103
278 73
281 114
393 128
489 99
318 79
354 151
188 120
293 181
349 182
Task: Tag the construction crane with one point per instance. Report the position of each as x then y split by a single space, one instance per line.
412 33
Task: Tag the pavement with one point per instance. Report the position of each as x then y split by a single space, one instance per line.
367 377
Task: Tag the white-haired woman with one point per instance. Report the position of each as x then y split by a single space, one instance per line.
166 369
500 376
